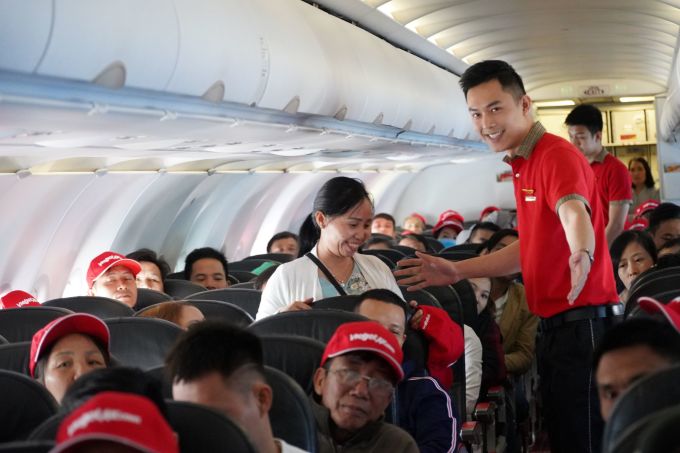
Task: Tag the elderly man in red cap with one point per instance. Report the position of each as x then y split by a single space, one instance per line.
113 275
354 385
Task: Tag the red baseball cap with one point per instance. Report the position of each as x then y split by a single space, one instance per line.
121 418
449 222
639 224
419 217
671 310
450 213
76 323
645 207
488 210
18 299
365 336
105 261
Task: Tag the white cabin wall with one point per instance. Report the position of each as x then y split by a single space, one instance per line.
55 224
467 187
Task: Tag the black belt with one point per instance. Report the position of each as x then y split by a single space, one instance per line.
581 313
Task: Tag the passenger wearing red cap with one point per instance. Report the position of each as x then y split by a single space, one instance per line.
113 275
448 227
633 349
425 408
116 421
67 348
484 216
359 369
18 299
415 223
645 209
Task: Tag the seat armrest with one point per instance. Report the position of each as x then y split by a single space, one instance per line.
484 412
472 433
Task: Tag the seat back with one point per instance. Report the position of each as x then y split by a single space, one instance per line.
180 289
276 257
247 299
393 255
662 434
25 404
647 396
29 446
214 309
101 307
298 357
244 285
141 342
242 276
203 430
422 297
15 356
246 265
662 287
148 297
408 252
434 244
457 255
461 248
345 303
291 414
19 324
317 324
449 301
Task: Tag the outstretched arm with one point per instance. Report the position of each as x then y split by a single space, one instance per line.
427 270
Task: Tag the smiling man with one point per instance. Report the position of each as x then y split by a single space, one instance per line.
359 369
112 275
562 255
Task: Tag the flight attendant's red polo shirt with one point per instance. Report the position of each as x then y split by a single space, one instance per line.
548 171
613 179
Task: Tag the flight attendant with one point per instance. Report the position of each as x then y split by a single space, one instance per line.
562 253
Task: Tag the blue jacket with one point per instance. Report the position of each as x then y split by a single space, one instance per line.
424 409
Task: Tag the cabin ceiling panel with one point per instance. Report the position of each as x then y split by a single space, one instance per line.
577 40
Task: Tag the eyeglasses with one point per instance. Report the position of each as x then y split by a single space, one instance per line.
351 378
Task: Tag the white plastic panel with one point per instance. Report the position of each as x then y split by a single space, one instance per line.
223 39
24 31
298 66
89 35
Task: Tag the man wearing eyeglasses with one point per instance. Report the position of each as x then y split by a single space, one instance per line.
359 369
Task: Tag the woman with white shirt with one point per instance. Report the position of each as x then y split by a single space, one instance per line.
342 213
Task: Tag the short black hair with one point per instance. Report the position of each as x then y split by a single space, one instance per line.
649 179
628 237
485 226
418 237
115 379
199 254
213 346
282 235
498 237
585 115
662 213
387 296
386 216
488 70
377 238
151 257
659 336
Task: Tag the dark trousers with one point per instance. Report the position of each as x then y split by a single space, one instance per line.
570 401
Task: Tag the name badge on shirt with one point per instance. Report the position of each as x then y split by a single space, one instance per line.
529 194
